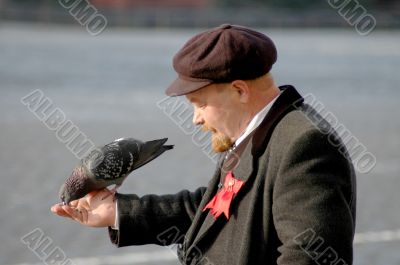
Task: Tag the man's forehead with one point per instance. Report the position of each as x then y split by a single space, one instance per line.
204 94
197 96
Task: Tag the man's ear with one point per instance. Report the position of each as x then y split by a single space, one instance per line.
242 89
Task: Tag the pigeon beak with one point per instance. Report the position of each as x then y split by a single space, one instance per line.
63 200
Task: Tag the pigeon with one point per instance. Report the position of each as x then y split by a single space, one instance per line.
110 165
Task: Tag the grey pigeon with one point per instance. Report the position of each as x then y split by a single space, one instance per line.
109 165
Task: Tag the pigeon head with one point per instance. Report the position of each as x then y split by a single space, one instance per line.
64 195
76 186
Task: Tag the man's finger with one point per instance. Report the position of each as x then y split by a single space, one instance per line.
74 203
74 213
96 196
85 216
101 192
57 209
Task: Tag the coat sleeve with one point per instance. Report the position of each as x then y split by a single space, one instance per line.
314 201
154 219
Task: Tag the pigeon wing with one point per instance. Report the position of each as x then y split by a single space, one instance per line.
130 149
111 166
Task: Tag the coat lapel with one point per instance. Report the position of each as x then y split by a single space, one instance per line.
289 100
241 160
198 220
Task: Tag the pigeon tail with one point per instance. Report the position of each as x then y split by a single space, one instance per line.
168 147
151 150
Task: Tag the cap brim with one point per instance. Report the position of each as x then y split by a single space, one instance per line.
182 86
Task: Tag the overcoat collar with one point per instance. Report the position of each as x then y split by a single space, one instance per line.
242 160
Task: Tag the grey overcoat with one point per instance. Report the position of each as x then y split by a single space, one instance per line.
297 205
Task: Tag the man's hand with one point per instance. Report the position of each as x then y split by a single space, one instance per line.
91 210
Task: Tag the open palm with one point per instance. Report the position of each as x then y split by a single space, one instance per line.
97 209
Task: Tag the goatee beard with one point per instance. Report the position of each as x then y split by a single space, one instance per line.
219 142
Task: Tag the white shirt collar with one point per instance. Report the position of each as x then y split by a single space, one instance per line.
256 121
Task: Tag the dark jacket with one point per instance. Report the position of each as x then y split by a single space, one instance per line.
297 205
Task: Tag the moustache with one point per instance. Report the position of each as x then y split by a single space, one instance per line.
206 128
219 142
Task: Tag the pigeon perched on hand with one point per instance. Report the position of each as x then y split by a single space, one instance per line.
109 165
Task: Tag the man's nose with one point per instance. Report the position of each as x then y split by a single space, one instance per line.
197 117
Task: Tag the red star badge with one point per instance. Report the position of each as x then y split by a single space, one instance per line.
222 200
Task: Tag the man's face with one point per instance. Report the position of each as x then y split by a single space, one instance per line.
217 109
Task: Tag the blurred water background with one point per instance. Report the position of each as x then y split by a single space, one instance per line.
109 86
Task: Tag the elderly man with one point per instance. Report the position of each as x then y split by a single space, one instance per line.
283 191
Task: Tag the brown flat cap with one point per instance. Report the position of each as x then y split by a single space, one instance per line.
221 55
